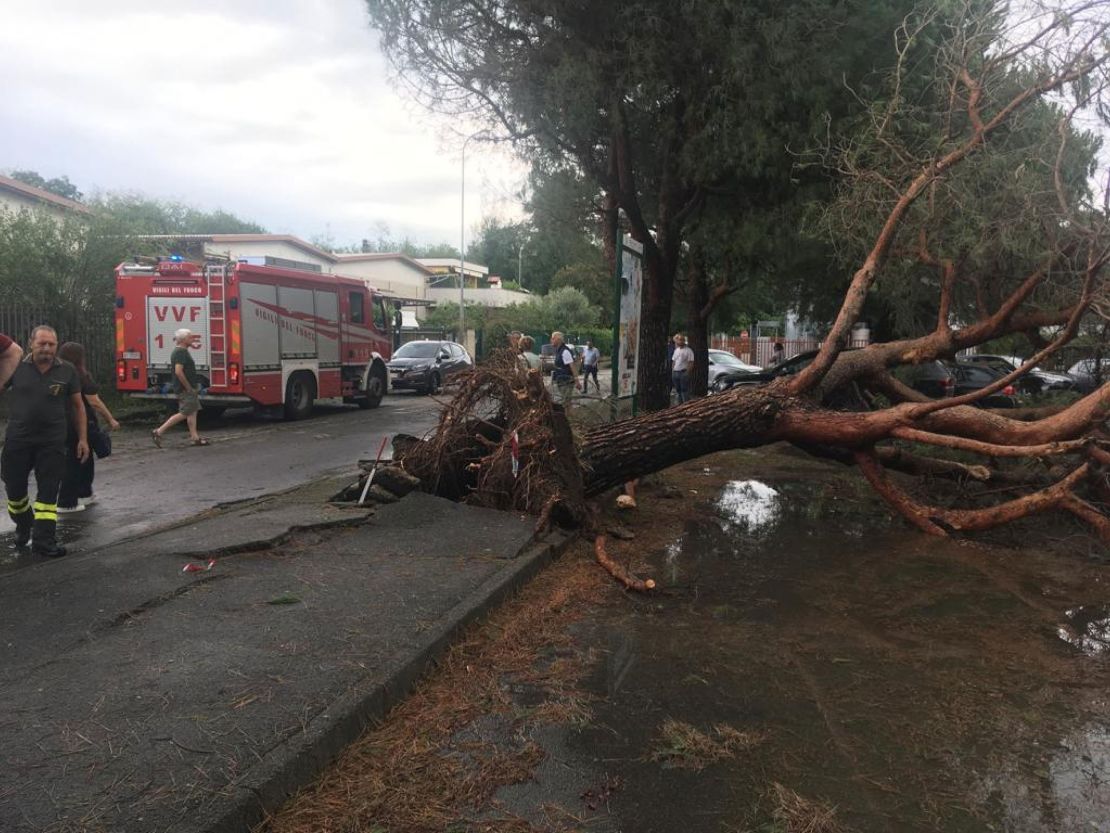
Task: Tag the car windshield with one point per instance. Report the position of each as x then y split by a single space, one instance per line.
721 357
418 350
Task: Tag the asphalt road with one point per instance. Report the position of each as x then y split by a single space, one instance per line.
141 488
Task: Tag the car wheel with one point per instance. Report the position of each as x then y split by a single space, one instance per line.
375 389
433 386
300 393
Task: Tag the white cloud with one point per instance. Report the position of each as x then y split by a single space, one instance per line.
277 110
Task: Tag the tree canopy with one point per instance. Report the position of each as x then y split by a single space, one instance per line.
59 185
661 106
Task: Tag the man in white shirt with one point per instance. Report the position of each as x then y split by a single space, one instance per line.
563 376
590 358
682 361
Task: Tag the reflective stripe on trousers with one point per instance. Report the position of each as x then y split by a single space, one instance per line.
18 507
46 511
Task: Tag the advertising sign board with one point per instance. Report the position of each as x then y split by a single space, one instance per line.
630 265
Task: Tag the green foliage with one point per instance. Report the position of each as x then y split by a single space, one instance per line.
143 215
445 316
59 185
497 246
998 217
63 265
707 102
568 308
593 281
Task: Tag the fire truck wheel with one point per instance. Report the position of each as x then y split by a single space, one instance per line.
300 392
433 385
375 389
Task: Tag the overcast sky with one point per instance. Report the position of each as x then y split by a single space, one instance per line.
279 111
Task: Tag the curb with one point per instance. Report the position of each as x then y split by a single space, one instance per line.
295 762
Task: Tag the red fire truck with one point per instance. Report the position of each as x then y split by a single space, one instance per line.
265 335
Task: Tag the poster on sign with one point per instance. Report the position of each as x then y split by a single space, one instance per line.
164 317
628 336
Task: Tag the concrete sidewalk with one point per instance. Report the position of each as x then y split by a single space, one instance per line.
137 697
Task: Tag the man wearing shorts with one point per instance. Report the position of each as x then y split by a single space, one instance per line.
185 386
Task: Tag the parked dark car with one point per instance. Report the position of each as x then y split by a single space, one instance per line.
937 380
1033 382
725 369
1088 375
426 365
843 398
934 379
791 366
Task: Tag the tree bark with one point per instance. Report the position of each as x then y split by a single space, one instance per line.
697 335
614 454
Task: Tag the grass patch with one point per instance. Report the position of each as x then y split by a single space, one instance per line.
793 813
683 746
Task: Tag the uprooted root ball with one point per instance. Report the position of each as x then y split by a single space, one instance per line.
503 443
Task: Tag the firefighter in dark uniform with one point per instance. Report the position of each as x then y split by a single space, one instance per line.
45 395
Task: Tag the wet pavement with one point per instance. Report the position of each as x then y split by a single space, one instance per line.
896 681
138 697
140 488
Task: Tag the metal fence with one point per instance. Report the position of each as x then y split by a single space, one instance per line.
96 331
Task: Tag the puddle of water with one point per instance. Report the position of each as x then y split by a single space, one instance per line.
892 675
1088 629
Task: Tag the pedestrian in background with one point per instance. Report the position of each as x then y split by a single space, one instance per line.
77 492
46 399
563 376
11 354
185 386
528 352
778 355
681 362
591 356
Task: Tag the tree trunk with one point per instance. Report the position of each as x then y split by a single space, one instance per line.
653 384
609 221
622 451
697 335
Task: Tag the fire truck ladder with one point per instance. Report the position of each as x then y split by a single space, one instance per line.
216 275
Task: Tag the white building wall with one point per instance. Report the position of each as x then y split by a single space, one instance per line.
394 276
14 201
486 297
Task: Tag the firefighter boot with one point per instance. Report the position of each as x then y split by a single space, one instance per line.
45 528
20 513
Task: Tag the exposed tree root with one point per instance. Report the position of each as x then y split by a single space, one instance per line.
618 571
503 443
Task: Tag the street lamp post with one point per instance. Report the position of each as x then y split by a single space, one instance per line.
462 236
519 263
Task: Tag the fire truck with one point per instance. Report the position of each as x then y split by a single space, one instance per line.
271 336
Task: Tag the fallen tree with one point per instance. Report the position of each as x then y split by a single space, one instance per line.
976 198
